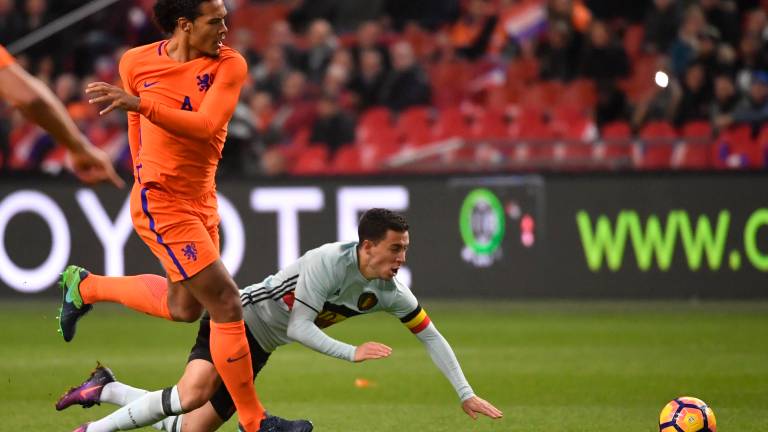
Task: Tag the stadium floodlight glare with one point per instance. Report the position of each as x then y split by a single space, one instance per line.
662 79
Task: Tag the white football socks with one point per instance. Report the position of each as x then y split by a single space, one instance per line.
146 410
117 393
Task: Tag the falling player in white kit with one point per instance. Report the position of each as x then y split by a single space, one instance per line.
325 286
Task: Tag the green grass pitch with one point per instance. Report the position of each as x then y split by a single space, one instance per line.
550 366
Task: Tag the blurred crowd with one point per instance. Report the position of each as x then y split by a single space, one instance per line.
323 71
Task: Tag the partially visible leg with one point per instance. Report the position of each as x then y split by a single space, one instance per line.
195 388
203 419
145 293
215 289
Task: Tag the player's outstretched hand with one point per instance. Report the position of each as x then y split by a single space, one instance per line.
475 405
115 97
371 351
91 165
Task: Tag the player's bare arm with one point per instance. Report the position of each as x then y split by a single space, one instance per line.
39 104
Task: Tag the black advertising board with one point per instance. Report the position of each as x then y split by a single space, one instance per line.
658 237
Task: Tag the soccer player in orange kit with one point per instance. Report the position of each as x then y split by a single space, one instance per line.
179 94
40 105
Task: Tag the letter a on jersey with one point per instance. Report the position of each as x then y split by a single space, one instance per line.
187 104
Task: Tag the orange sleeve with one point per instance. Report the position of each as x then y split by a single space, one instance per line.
133 117
6 59
215 111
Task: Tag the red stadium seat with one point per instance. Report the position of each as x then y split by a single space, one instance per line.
617 130
490 124
654 155
447 80
451 123
735 148
762 143
692 156
312 160
697 130
347 161
530 124
415 126
658 130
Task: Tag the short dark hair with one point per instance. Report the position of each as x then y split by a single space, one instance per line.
167 12
377 221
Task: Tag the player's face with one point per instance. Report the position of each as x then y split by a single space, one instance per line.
386 256
208 31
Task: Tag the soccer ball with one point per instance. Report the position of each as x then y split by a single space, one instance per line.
687 414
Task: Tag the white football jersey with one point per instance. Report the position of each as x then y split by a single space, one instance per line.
328 280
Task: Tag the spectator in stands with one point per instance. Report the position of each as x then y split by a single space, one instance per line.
281 35
407 85
67 89
269 75
571 12
558 53
752 58
661 25
35 16
756 25
333 126
321 45
611 104
725 98
694 103
351 14
685 48
520 24
708 52
603 58
472 32
11 24
751 110
659 105
723 15
428 14
295 110
243 40
367 84
305 12
335 82
369 35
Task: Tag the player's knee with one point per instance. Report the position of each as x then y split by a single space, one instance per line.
228 307
194 397
196 393
189 314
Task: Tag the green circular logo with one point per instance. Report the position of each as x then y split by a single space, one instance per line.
482 222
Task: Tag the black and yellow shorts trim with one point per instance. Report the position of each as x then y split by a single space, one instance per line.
221 400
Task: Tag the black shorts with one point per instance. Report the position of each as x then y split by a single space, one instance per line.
221 400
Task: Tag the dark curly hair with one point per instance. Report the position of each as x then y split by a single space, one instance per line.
377 221
167 12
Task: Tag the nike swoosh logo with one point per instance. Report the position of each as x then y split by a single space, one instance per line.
232 360
146 84
86 392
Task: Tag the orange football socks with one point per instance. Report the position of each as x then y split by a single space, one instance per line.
146 293
232 358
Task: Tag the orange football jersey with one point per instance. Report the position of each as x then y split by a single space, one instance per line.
5 57
177 137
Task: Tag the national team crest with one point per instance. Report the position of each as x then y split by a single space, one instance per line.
367 301
190 252
204 81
